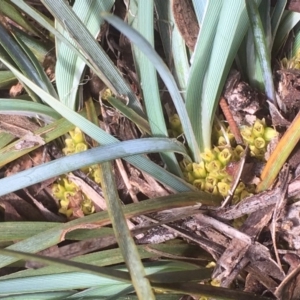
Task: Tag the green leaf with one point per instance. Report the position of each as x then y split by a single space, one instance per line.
174 45
123 235
103 138
222 31
86 158
196 104
149 83
165 74
69 67
10 11
56 234
288 22
264 54
7 79
102 64
28 108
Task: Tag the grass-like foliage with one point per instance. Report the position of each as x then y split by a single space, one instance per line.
192 78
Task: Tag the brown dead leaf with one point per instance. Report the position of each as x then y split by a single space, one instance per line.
28 161
289 289
16 90
288 87
21 164
277 118
16 125
98 200
186 21
20 209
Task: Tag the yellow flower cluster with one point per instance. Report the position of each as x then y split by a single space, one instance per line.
175 126
72 201
71 198
211 174
293 62
77 143
258 137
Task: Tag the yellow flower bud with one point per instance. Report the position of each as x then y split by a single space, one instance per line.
64 203
67 212
259 143
87 206
175 122
183 164
58 190
211 264
199 184
88 210
219 174
225 156
96 174
199 170
215 282
285 62
238 152
269 134
188 177
179 130
258 153
107 93
231 138
227 179
241 186
251 188
70 149
223 188
68 194
247 135
189 167
245 194
69 185
222 141
208 155
77 135
211 181
70 143
80 147
235 199
258 128
211 189
214 165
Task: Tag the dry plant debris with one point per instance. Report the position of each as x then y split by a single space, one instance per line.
262 255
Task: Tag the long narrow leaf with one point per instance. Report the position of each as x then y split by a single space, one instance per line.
288 21
149 83
27 108
103 66
277 15
103 138
279 156
165 74
76 266
86 158
69 67
122 234
56 234
261 49
196 104
174 45
200 7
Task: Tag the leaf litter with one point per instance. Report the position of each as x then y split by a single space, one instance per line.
255 253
